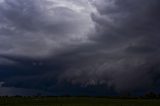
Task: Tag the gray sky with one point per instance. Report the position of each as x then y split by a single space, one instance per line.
48 45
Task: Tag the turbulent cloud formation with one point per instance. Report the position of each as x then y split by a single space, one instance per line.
80 46
41 27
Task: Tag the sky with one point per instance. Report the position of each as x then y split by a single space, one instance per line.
79 47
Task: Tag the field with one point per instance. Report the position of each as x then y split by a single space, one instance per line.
75 101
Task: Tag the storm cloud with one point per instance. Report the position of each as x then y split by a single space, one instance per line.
79 46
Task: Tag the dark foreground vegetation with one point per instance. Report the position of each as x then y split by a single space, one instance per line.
78 101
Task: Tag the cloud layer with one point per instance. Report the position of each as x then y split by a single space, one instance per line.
81 45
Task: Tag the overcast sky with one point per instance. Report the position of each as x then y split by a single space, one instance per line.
79 47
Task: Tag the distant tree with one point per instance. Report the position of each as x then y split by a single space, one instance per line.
38 95
158 95
150 95
126 95
18 96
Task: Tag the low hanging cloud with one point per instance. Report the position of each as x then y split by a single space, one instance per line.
38 28
50 45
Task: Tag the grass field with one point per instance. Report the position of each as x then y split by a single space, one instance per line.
75 101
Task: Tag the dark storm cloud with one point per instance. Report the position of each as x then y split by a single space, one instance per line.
131 29
41 26
12 91
28 15
126 50
79 45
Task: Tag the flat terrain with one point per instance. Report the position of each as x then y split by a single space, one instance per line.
75 101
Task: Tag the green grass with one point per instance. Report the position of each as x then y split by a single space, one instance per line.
75 101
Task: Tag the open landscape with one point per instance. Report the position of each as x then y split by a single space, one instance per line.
75 101
79 52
